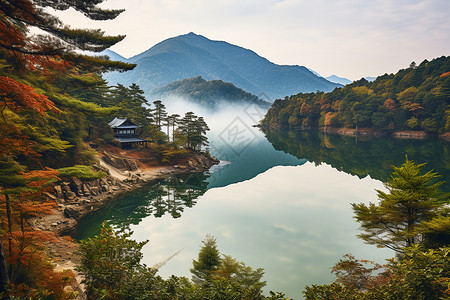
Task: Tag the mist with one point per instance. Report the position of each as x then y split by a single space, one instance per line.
219 118
228 123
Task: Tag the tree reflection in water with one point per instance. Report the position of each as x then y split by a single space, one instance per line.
363 156
166 196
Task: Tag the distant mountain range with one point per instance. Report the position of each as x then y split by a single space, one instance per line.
337 79
192 55
211 94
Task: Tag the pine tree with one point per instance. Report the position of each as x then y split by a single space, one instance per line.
159 113
397 221
208 261
58 40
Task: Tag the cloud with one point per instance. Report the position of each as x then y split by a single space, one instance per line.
352 38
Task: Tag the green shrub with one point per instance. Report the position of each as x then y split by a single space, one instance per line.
80 171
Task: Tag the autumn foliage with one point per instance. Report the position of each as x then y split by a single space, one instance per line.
37 117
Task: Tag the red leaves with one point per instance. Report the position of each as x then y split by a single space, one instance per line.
19 97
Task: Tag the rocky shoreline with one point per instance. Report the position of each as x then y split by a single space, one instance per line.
75 197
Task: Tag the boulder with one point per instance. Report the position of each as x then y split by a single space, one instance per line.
58 191
72 212
76 186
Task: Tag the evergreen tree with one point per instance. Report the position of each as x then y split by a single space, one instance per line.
397 221
159 113
208 261
199 138
186 127
194 129
58 40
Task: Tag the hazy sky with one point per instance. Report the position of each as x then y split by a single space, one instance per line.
349 38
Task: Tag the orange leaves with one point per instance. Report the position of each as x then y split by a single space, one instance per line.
19 97
328 117
305 109
27 246
36 209
9 34
413 107
40 178
389 104
445 74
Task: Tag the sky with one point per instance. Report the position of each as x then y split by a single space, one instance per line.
348 38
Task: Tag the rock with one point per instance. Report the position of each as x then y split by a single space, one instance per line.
50 196
72 212
70 195
105 188
76 186
58 191
86 190
95 191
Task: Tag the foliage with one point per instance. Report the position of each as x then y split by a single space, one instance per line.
413 99
396 222
194 130
80 171
417 274
208 261
112 269
43 125
173 155
111 265
406 216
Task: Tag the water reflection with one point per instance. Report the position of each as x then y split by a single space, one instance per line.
269 207
237 166
167 196
365 155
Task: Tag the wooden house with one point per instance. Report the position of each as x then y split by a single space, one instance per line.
125 133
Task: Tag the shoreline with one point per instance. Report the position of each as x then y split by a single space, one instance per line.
398 134
77 198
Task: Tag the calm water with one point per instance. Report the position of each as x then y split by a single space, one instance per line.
279 200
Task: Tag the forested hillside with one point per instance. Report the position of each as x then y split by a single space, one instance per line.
209 94
416 98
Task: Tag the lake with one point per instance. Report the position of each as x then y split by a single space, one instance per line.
279 200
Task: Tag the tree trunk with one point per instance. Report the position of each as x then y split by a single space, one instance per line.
4 278
8 213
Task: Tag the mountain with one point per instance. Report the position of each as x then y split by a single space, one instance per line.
337 79
210 94
192 55
369 78
314 72
113 55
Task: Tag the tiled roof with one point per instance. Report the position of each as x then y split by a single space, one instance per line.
117 122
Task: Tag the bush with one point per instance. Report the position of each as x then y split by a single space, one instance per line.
80 171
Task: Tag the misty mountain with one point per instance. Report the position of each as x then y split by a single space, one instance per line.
113 55
209 94
315 73
369 78
337 79
192 55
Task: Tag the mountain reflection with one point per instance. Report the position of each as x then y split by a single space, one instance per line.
363 156
169 196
